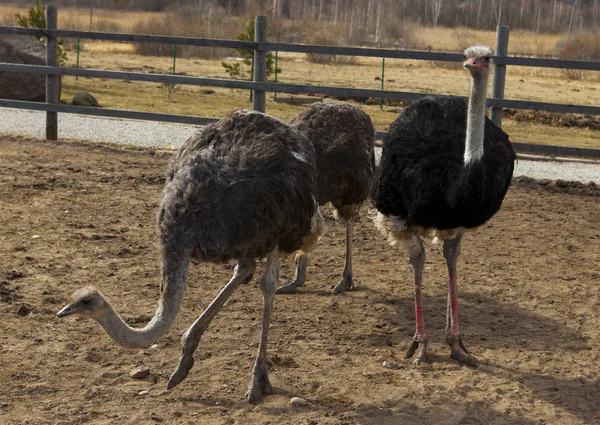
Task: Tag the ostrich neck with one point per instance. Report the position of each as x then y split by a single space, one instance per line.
172 291
476 118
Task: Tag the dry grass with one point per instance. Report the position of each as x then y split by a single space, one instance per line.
79 19
455 39
415 76
523 83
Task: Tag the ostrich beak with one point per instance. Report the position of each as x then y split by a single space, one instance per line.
474 63
67 311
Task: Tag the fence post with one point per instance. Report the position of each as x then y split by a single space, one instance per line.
51 79
260 63
499 79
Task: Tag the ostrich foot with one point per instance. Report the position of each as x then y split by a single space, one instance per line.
346 284
290 288
186 361
458 351
259 384
418 346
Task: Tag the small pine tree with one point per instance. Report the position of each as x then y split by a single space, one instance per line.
36 18
247 55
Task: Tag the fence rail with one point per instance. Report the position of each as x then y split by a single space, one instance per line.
260 86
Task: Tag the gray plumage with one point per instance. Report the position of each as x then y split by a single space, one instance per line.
343 137
241 188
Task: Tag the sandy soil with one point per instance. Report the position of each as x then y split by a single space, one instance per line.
76 214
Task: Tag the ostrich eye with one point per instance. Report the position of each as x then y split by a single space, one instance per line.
86 301
487 58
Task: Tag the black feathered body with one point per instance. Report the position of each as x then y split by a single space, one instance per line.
422 177
343 137
239 188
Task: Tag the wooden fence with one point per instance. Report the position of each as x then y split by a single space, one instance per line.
260 85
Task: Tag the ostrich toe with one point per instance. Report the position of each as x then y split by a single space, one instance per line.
459 353
345 284
186 361
418 346
290 288
259 384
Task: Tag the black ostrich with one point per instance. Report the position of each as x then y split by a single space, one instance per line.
344 138
445 169
242 189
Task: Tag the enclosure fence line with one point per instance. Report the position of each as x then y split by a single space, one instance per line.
260 86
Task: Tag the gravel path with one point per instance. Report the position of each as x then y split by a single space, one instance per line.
150 134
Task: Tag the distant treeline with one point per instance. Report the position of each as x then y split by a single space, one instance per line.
379 16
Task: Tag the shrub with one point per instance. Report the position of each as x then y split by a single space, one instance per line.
36 18
584 47
248 55
325 38
172 25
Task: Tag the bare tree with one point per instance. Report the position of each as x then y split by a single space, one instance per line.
92 4
379 7
573 14
436 8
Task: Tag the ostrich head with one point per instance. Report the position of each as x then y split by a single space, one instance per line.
477 59
86 302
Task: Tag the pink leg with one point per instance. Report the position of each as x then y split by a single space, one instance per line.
417 256
458 350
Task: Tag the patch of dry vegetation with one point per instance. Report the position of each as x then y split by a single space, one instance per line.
523 83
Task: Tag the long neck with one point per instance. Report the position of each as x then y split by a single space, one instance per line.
476 118
172 291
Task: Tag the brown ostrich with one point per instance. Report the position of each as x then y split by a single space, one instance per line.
242 189
343 137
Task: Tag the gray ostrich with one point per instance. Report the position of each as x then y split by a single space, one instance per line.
242 189
343 137
445 169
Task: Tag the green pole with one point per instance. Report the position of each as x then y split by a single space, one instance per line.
174 56
382 81
77 76
276 80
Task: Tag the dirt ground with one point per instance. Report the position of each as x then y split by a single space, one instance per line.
75 214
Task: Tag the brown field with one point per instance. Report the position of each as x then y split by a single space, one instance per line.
414 76
436 39
536 84
78 214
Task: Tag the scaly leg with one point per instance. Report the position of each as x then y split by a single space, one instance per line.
191 338
299 277
417 256
259 384
346 283
457 349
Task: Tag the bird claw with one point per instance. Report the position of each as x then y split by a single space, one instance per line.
182 371
186 361
259 384
459 353
290 288
345 284
419 346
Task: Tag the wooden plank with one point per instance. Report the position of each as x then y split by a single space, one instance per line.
36 32
499 78
51 79
130 76
556 150
191 120
259 99
290 88
544 106
302 48
104 112
549 63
